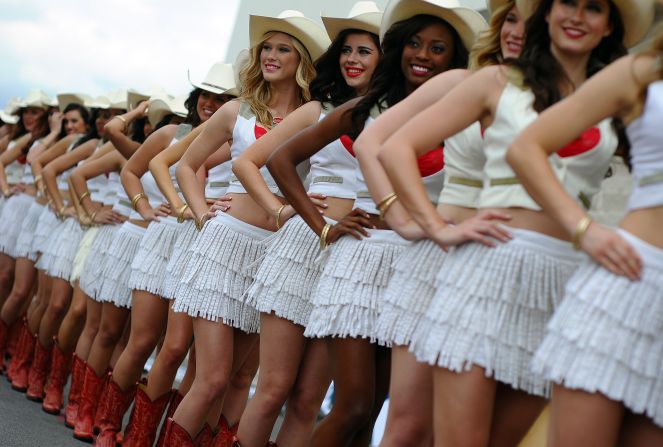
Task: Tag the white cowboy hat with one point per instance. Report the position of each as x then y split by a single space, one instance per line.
8 115
220 79
467 22
36 98
64 99
162 106
637 16
493 5
135 97
117 99
305 30
364 16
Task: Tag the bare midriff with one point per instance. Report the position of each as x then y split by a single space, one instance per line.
645 224
338 208
140 222
244 208
534 221
455 213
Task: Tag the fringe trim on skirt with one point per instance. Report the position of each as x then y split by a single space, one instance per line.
148 269
607 335
221 267
178 260
409 292
57 259
82 253
93 268
288 273
115 283
492 305
348 299
11 221
46 223
25 239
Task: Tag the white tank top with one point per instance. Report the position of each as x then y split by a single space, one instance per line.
580 166
28 178
98 186
14 170
63 184
464 161
218 180
646 136
111 189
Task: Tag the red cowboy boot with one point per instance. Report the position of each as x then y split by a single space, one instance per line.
145 417
87 406
174 403
21 332
20 366
60 365
111 411
77 377
205 437
12 338
176 436
4 339
224 434
38 372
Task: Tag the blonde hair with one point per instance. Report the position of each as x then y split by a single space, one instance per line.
256 91
488 49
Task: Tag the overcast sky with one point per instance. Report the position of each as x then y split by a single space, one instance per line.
97 46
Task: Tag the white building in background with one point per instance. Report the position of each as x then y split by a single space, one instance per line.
310 8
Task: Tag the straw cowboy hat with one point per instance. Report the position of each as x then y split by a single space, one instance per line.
291 22
162 106
494 5
36 98
64 99
637 16
467 22
135 97
117 99
364 16
220 79
8 115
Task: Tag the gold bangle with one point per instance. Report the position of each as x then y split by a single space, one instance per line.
180 213
135 199
278 216
60 212
580 231
83 196
323 236
200 223
124 121
386 205
385 200
92 216
38 179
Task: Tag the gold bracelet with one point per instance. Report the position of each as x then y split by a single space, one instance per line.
92 216
38 179
60 212
386 205
200 223
124 121
180 213
83 196
323 236
385 200
278 216
136 198
580 231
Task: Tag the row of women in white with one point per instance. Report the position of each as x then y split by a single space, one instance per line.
383 216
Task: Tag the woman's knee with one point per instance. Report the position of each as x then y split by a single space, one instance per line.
6 275
57 307
142 345
173 353
214 386
109 333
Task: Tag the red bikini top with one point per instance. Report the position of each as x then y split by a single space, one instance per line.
430 163
587 141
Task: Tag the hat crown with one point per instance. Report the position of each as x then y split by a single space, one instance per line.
36 98
220 75
290 13
363 7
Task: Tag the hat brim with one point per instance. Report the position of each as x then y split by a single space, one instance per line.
467 22
135 98
8 118
65 99
369 22
304 30
212 88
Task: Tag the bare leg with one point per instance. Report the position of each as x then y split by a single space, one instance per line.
91 328
121 344
462 407
640 431
73 322
113 320
305 399
190 373
410 416
234 403
149 314
21 291
514 413
382 376
58 304
6 276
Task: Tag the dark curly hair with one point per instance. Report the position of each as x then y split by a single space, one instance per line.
329 86
388 86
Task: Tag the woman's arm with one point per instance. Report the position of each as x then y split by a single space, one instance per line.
138 165
9 156
115 129
111 162
611 92
160 164
46 157
218 131
247 166
55 124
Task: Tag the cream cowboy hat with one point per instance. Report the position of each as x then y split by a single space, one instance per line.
135 97
36 98
162 106
305 30
8 115
64 99
117 99
220 79
364 16
467 22
637 16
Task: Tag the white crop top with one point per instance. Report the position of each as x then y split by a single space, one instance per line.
580 166
121 202
28 178
218 180
63 184
98 186
464 161
111 189
14 170
646 136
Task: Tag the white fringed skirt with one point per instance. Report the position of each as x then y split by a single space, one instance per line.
11 221
93 267
607 335
348 299
178 260
114 286
46 223
409 292
82 253
24 243
148 269
492 305
57 259
222 263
